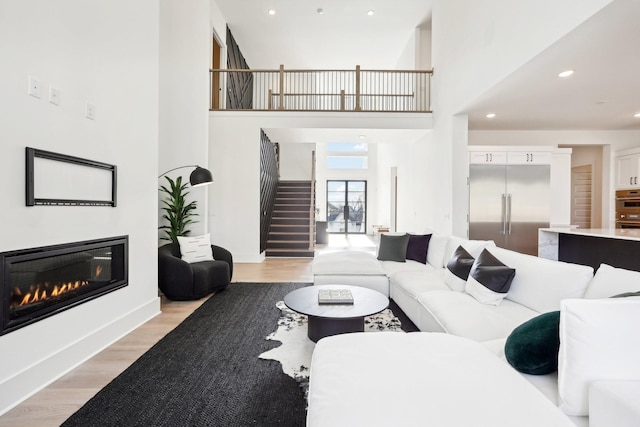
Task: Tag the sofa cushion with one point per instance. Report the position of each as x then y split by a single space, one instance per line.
415 282
609 281
345 263
474 247
458 268
393 247
489 279
541 284
532 348
436 250
196 248
417 247
454 382
392 267
458 313
614 403
599 340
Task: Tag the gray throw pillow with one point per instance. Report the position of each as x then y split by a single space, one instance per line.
393 247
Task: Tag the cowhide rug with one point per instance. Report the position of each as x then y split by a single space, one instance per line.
295 352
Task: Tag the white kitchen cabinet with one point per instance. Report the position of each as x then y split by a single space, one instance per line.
493 157
510 155
529 157
628 171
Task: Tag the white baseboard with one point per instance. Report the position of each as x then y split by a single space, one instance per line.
28 382
249 258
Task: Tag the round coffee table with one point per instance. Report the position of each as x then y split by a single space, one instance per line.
333 319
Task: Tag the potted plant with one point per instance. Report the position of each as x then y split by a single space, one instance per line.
178 213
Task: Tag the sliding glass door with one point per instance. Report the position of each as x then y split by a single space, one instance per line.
346 206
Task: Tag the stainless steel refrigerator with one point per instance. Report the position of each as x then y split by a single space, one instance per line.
508 204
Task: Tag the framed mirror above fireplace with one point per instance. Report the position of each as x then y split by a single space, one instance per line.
40 282
54 179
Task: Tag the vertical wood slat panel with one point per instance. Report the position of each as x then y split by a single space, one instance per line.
268 186
239 85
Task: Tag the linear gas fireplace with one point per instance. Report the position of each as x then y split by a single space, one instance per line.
40 282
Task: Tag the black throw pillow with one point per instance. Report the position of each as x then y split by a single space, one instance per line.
417 247
458 268
393 247
489 279
532 348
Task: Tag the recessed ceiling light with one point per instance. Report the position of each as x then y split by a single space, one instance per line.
370 12
637 115
565 73
490 115
320 11
363 136
271 12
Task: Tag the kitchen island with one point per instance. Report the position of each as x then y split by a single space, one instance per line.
618 247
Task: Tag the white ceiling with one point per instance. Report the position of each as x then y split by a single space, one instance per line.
603 93
341 38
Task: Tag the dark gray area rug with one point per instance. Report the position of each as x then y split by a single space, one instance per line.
206 372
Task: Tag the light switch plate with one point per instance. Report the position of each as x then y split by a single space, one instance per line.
90 111
54 95
34 87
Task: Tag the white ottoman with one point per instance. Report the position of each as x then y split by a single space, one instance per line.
350 268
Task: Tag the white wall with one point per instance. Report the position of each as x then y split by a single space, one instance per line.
105 53
234 210
416 183
416 54
295 161
185 58
476 45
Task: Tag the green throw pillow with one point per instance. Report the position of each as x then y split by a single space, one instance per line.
393 247
532 348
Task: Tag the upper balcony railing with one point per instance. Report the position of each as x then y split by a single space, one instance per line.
321 90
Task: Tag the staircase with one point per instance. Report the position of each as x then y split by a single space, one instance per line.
291 222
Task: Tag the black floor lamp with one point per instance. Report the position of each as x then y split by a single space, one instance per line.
199 176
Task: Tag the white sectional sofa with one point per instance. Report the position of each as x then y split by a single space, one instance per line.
429 297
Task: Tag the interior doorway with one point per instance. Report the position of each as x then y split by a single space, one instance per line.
216 90
347 206
581 196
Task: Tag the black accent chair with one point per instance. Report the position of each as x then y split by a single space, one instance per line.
178 280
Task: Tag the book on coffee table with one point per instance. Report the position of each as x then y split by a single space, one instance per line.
335 296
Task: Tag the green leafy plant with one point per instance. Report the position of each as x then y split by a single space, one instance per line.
178 213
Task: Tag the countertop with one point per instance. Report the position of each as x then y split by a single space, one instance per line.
611 233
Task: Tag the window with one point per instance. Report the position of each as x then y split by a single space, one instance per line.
347 147
347 155
347 162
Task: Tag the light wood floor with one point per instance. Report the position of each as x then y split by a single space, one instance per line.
55 403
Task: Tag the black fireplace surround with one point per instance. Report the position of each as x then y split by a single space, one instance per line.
40 282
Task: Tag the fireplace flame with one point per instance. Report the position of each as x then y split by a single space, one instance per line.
41 292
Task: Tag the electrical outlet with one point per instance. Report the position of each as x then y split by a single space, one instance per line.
90 111
34 87
54 95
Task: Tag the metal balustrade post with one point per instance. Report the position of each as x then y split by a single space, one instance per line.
281 107
358 108
342 100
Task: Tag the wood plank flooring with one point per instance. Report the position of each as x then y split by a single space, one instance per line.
55 403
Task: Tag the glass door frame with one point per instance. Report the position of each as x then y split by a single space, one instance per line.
363 222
